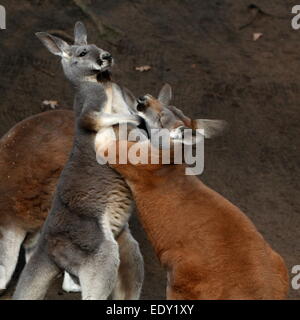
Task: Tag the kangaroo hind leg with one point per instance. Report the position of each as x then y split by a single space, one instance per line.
36 277
98 274
30 244
11 238
131 270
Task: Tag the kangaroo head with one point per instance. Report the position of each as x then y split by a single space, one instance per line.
158 113
81 61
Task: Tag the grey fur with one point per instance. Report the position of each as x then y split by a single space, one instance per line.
79 235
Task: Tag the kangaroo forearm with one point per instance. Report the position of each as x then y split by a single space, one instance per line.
94 120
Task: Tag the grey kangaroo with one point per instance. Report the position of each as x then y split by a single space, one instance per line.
92 203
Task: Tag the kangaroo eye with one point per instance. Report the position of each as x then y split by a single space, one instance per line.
83 53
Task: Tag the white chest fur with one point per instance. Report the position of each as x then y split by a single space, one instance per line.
119 202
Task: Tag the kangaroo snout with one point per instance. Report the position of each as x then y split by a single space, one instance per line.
141 100
106 56
141 104
105 60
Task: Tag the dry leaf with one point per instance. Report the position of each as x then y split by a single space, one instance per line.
257 35
143 68
51 103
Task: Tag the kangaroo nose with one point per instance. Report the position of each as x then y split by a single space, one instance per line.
106 56
141 106
141 100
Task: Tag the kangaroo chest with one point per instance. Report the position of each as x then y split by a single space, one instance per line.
119 201
119 207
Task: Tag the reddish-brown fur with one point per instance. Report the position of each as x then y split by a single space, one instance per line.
209 248
32 156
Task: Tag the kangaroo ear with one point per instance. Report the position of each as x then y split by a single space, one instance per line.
80 34
129 98
212 128
186 136
165 95
55 45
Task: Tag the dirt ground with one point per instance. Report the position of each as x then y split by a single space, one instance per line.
205 50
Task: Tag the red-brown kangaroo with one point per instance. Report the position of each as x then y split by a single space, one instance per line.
32 156
207 245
